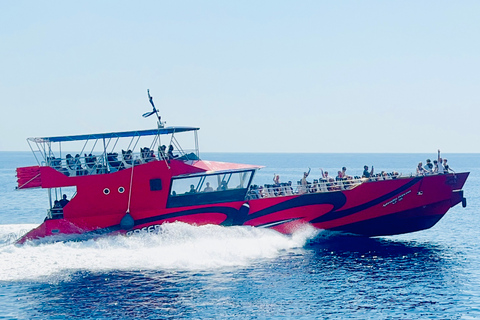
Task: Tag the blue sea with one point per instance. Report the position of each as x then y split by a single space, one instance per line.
212 272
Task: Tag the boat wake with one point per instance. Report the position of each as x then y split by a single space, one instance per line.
176 246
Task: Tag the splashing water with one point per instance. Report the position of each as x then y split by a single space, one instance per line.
176 246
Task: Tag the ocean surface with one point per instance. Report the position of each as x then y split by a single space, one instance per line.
212 272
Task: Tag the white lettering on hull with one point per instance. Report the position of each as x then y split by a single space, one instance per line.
149 229
397 199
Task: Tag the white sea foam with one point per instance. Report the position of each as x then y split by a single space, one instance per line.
177 246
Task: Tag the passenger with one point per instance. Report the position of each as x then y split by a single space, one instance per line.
435 166
147 155
208 188
223 186
269 192
162 152
446 167
261 192
112 158
429 166
70 161
57 208
256 193
326 176
127 157
366 173
64 201
251 193
339 175
192 189
439 163
170 152
304 182
151 155
420 170
288 188
90 160
344 173
276 180
328 181
54 163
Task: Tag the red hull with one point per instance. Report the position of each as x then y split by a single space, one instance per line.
372 208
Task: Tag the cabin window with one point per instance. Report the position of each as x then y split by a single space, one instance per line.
207 189
156 184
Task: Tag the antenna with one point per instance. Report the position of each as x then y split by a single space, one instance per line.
148 114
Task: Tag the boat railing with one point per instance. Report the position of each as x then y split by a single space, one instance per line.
111 162
286 189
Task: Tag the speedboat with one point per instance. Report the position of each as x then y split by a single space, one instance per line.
130 182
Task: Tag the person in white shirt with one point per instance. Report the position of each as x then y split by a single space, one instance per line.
439 166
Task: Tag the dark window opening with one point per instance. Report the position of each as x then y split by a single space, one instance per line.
156 184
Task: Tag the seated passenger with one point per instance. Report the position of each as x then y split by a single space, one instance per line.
57 208
446 167
146 154
251 194
112 159
54 163
90 161
162 152
192 189
223 186
323 185
344 173
289 188
127 157
261 192
429 166
256 192
170 154
70 161
420 170
78 166
208 188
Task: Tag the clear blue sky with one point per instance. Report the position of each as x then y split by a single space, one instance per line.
255 76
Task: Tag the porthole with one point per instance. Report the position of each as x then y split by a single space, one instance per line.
106 191
121 189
